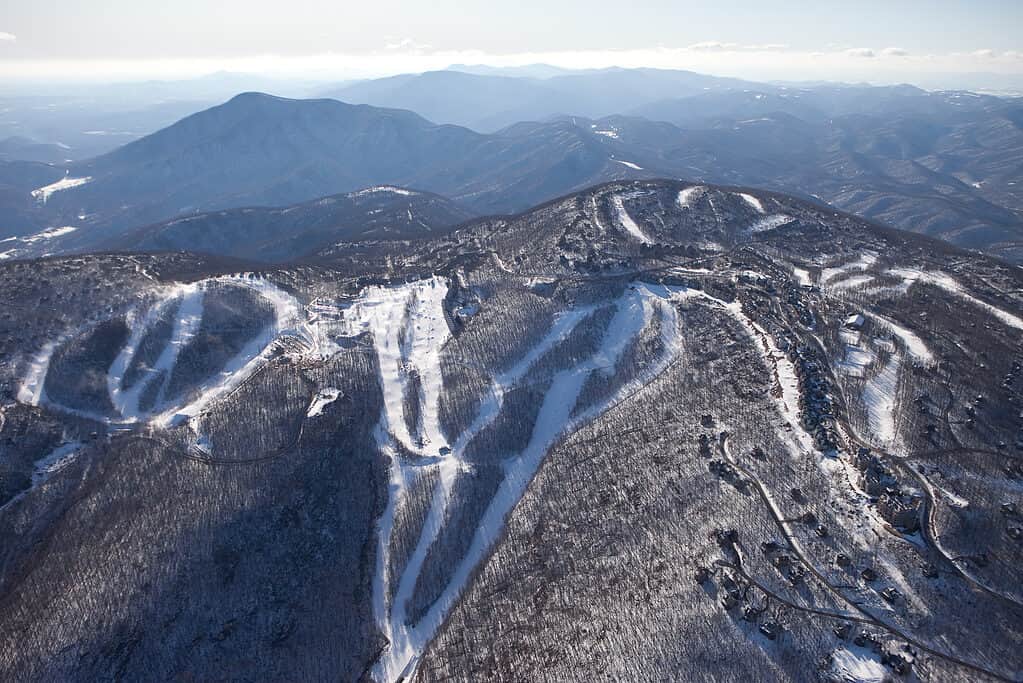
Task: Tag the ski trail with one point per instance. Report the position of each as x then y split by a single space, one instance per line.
862 263
627 222
753 202
633 312
687 196
950 285
190 298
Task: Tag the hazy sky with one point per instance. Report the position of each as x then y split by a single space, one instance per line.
878 40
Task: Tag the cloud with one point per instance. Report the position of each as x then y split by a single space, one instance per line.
712 46
864 52
717 46
895 52
984 54
7 37
405 44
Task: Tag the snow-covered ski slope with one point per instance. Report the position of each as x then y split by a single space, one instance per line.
417 309
185 304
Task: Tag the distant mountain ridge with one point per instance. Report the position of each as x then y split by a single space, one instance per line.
284 234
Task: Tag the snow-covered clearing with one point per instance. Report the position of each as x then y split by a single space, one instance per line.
66 183
865 261
752 201
635 167
915 346
950 285
879 397
323 399
634 309
49 234
857 665
855 358
388 189
850 282
56 460
769 223
688 195
409 329
626 221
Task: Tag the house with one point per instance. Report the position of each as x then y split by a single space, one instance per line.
855 321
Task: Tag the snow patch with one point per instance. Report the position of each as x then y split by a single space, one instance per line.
752 201
323 398
66 183
631 165
626 221
769 223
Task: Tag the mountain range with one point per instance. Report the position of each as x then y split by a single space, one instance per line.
943 164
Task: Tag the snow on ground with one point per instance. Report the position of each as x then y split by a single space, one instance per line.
626 221
856 358
186 324
633 311
383 189
287 321
323 398
752 201
66 183
915 346
629 164
49 234
850 282
769 223
610 133
950 285
802 275
686 196
862 263
879 397
857 665
56 460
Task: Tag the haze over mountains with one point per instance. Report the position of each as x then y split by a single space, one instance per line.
944 164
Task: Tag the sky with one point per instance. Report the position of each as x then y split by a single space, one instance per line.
867 40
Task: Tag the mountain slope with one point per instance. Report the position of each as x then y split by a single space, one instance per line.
653 430
275 235
489 102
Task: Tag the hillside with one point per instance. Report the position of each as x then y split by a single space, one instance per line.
652 430
276 235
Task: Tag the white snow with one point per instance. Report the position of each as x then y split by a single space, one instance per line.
611 133
769 223
949 284
855 360
415 312
686 196
49 234
879 397
186 324
866 260
56 460
850 282
626 221
633 311
323 398
65 183
752 201
915 346
383 188
629 164
859 666
802 275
